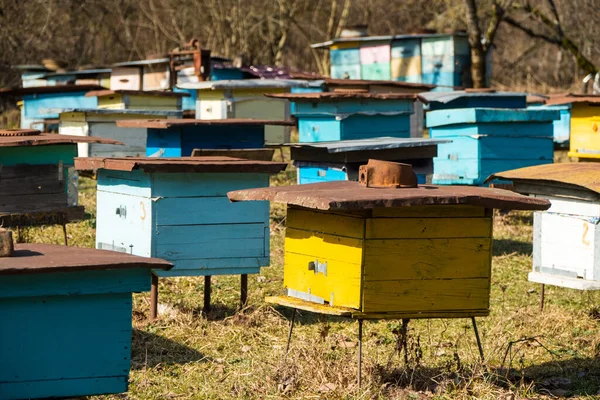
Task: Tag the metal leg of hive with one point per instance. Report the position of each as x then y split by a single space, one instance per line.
479 346
542 297
64 228
289 339
206 294
404 339
360 334
154 298
243 290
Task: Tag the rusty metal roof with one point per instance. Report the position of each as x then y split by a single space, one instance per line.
346 195
48 89
157 93
582 175
325 96
362 82
572 98
181 164
168 123
47 258
45 139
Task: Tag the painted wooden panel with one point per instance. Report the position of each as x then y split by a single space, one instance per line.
212 109
38 155
207 210
138 102
374 54
443 79
349 71
312 174
406 48
426 295
126 78
345 107
47 105
406 69
205 184
343 57
189 102
572 207
436 46
156 77
453 211
341 224
320 129
497 147
376 71
427 228
134 140
585 125
505 101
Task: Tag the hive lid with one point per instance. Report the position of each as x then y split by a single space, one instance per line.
46 258
330 96
380 143
246 84
362 82
48 89
572 98
489 115
165 113
45 139
181 164
346 195
447 97
559 179
157 93
169 123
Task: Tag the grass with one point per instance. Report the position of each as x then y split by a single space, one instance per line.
232 353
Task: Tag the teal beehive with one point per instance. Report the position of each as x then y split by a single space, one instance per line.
67 320
489 140
177 209
330 116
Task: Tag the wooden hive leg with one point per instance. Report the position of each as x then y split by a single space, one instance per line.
542 297
154 298
64 228
360 336
206 294
243 290
289 339
404 339
479 346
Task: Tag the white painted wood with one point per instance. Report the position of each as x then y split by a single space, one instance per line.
130 229
76 128
563 205
211 109
572 283
126 78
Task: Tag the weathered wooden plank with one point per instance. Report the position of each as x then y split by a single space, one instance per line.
31 179
426 295
427 228
207 210
429 212
320 245
63 388
32 203
322 222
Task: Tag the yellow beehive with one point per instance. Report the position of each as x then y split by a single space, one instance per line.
420 252
585 124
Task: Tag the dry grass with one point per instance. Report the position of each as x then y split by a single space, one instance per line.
234 353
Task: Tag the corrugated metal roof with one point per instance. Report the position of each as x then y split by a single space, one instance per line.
342 146
44 139
325 96
384 38
49 258
168 113
346 195
181 164
573 98
447 97
584 175
247 84
157 93
168 123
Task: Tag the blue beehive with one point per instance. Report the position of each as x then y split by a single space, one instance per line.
179 138
177 209
562 126
488 140
67 314
340 160
45 102
330 116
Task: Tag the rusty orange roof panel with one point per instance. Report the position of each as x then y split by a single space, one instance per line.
572 98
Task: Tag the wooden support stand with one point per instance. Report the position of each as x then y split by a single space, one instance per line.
243 290
154 298
206 307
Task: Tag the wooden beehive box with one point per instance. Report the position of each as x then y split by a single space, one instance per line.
330 116
150 74
562 127
102 123
138 100
177 209
67 314
488 140
340 160
246 99
179 138
37 176
566 238
585 124
407 253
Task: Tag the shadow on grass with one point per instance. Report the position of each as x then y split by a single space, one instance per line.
309 318
504 247
561 378
150 350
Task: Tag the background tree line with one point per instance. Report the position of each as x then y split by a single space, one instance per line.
537 45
